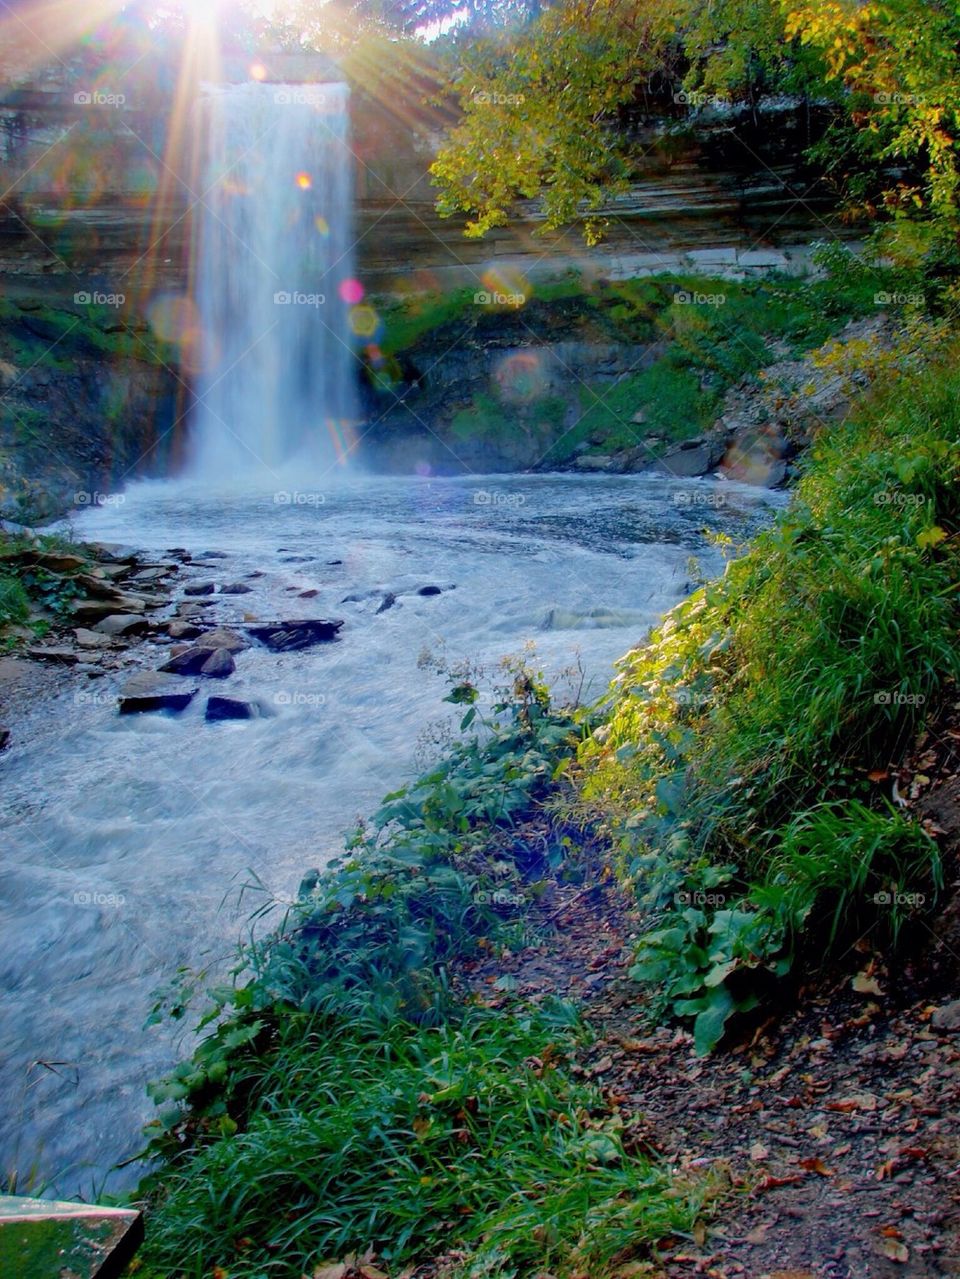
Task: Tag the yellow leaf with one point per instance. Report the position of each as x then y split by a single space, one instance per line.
930 537
895 1250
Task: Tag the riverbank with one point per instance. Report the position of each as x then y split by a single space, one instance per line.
681 373
771 783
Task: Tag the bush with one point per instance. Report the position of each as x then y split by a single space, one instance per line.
740 743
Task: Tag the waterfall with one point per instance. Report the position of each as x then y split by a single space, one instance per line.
274 368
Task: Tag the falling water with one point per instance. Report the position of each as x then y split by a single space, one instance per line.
275 283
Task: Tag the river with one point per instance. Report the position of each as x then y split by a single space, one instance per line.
128 840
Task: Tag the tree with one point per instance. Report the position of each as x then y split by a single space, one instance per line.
545 110
901 61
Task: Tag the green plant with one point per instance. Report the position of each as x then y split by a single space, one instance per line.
737 745
14 601
410 1141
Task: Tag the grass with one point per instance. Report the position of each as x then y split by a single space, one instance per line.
707 346
346 1096
747 748
411 1142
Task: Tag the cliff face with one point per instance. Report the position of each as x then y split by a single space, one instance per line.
86 405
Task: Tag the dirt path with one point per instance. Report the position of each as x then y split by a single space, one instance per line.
832 1132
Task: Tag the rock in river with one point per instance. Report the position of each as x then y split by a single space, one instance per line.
285 637
199 588
220 708
215 663
223 637
153 691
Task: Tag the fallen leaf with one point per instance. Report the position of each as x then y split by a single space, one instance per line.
772 1183
758 1151
817 1166
638 1045
864 984
339 1271
895 1250
855 1101
759 1235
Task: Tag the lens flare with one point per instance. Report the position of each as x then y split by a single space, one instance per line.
364 321
304 181
351 291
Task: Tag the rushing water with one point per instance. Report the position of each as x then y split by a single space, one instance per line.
275 289
128 839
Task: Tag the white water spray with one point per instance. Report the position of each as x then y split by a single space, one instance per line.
275 284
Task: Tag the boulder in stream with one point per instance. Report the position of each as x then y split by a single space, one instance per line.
223 637
286 637
154 691
222 708
215 663
200 588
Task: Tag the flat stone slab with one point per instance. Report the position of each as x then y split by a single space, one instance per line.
286 637
65 656
154 691
89 612
44 1239
122 624
713 257
91 639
